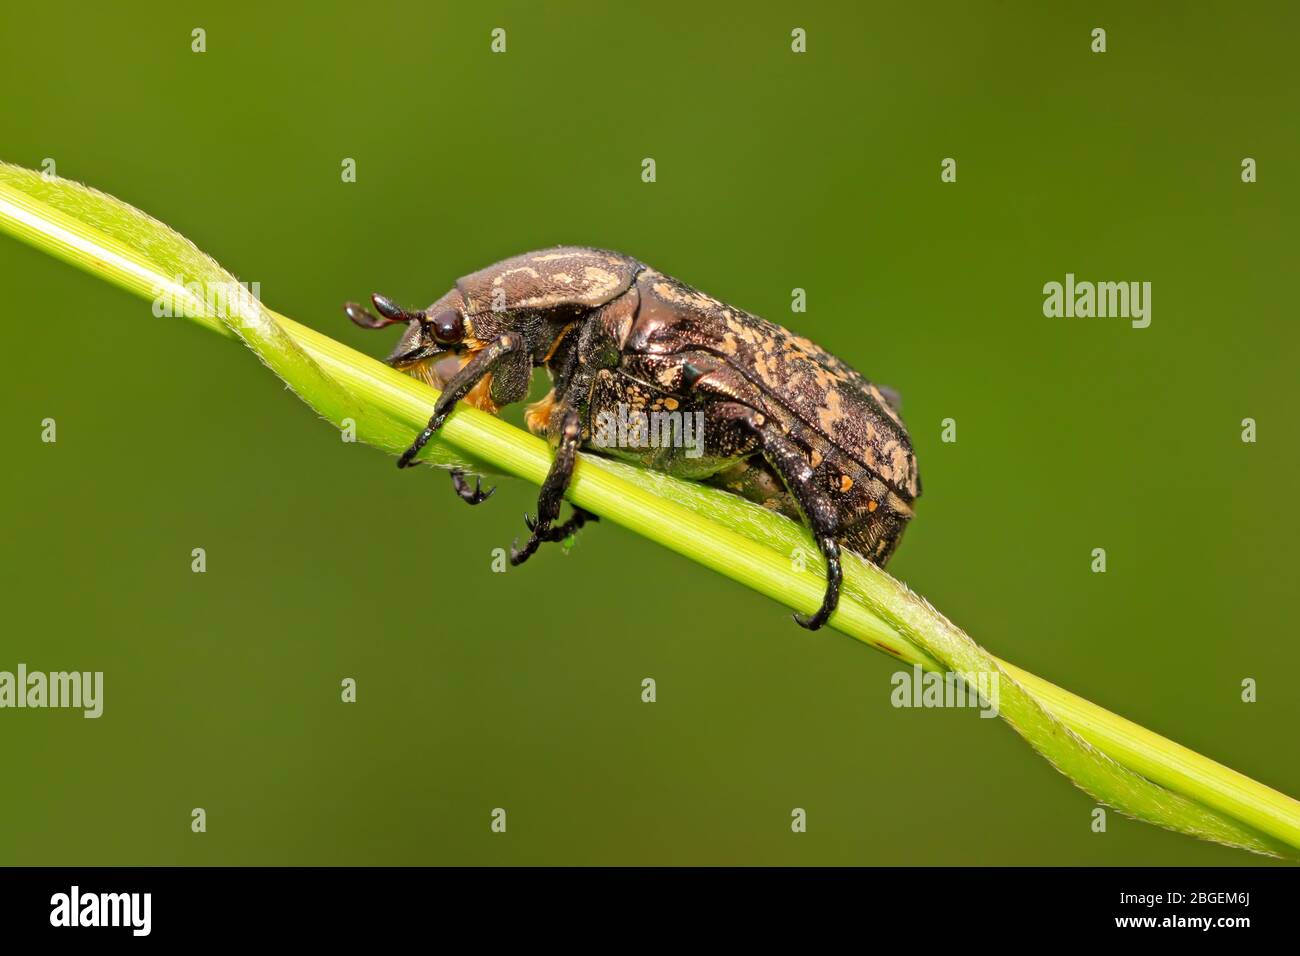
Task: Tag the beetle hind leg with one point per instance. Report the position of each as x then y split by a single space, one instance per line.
830 549
791 464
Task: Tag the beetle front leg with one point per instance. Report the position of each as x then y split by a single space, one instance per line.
552 494
483 362
793 467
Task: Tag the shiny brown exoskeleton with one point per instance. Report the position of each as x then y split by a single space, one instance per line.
784 423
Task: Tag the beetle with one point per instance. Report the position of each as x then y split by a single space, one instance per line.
783 422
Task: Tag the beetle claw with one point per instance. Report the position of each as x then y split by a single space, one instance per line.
519 555
813 622
471 496
530 521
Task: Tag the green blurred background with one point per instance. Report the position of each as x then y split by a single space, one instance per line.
775 170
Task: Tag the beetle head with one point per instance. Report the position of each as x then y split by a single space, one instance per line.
440 329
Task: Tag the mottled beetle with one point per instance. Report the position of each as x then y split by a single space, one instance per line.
785 423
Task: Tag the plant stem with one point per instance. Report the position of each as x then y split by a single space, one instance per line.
1118 762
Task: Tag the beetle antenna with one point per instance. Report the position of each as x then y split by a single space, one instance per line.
392 311
364 317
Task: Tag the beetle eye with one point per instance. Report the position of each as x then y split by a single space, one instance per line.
448 327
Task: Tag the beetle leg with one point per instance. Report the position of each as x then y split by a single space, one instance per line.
792 465
472 496
548 502
483 362
579 518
